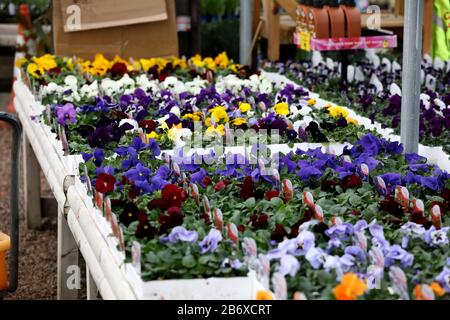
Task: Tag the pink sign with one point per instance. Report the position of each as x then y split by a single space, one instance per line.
331 44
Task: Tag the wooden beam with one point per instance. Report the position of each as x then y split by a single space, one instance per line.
290 6
68 269
427 26
32 186
399 7
272 26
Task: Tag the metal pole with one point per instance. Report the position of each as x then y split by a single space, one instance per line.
412 57
245 30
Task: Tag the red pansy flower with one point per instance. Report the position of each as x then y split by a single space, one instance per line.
105 183
147 125
351 181
272 194
247 188
176 196
118 69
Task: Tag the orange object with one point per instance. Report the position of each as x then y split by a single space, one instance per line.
352 19
5 244
350 288
337 19
318 22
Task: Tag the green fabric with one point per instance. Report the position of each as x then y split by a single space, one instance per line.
441 30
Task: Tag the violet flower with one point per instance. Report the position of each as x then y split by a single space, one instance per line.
436 238
397 253
316 257
66 113
210 242
411 229
288 265
180 233
444 279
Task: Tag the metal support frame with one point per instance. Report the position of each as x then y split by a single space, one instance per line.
412 57
245 32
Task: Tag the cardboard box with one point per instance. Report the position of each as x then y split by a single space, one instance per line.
132 28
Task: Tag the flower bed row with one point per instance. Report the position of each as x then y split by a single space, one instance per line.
373 91
362 224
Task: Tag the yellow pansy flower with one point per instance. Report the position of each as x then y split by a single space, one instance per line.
21 61
46 62
336 111
197 116
352 121
219 113
69 63
163 125
220 130
209 63
239 121
177 62
281 108
244 107
35 70
175 132
152 135
235 67
311 102
222 60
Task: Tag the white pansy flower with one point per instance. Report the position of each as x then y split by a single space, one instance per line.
71 81
132 122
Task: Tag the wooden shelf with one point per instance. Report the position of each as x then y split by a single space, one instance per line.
8 35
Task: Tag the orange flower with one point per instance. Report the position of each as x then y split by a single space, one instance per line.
264 295
350 288
423 292
438 290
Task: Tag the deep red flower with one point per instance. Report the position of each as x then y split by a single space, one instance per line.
55 70
351 181
220 185
176 196
391 206
247 188
241 228
260 221
418 217
446 195
278 233
272 194
118 69
130 213
105 183
147 125
144 229
133 192
173 217
206 181
162 204
329 185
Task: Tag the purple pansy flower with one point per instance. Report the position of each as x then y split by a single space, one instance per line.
210 242
66 113
180 233
436 238
444 279
288 265
397 253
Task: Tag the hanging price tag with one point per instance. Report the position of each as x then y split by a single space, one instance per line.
305 41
